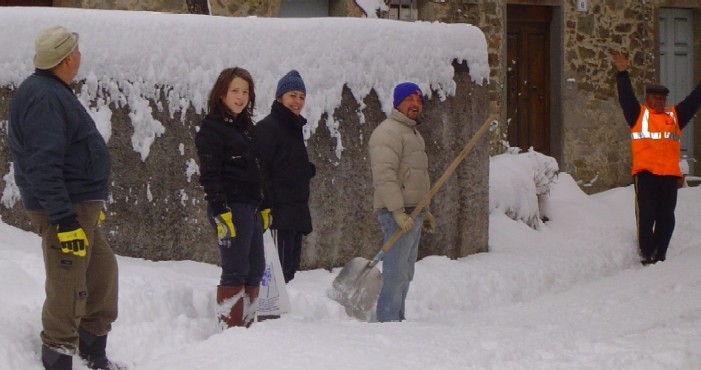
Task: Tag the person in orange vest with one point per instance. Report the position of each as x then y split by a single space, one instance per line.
655 135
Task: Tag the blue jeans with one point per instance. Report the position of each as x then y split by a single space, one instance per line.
243 263
397 267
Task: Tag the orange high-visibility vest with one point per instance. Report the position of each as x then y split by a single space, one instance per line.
655 142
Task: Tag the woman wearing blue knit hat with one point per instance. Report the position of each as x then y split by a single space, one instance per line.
286 170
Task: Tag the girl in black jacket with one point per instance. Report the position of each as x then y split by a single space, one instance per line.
286 170
231 179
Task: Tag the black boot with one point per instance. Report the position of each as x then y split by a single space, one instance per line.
54 360
92 350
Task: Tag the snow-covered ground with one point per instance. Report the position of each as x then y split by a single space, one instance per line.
570 295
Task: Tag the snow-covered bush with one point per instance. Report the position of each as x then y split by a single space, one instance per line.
519 184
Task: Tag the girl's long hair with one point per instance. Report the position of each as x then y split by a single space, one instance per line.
215 105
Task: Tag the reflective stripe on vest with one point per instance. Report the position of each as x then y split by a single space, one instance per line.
646 134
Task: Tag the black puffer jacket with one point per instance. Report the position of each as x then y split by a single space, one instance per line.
229 171
286 169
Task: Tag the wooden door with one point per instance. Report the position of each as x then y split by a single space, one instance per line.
527 77
676 64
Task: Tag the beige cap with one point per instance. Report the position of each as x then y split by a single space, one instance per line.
52 45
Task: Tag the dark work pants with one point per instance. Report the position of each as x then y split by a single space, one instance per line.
243 262
289 248
656 199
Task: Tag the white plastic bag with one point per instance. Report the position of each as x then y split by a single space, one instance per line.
272 299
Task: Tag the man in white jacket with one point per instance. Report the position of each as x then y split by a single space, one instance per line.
400 178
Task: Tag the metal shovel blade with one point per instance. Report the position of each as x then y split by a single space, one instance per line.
357 287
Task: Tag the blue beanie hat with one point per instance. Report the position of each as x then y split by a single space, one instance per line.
292 81
405 89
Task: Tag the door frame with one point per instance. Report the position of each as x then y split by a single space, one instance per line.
677 92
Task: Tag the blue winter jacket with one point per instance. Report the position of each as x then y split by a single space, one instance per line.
59 156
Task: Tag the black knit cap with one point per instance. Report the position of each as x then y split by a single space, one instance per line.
657 89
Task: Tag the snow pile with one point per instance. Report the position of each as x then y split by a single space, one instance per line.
519 185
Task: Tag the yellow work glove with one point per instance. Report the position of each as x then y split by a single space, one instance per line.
100 217
72 236
266 217
225 229
403 220
429 224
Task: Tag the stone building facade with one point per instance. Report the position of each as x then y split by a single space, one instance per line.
587 134
580 124
575 96
156 208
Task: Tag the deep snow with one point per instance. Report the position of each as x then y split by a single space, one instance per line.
570 295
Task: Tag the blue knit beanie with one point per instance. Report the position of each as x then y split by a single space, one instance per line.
292 81
405 89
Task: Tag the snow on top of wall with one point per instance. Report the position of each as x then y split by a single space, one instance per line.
137 55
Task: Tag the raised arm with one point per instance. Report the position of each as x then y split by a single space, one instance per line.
626 96
688 107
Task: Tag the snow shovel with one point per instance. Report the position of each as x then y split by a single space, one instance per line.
358 285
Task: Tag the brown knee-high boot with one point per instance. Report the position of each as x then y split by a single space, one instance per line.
230 300
250 304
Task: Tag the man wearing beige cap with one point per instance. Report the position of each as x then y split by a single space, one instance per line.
62 166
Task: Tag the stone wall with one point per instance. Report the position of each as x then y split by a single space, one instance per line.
245 8
589 136
240 8
596 137
169 6
590 139
347 229
150 217
489 16
344 8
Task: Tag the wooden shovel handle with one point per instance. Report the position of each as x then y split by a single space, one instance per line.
449 171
